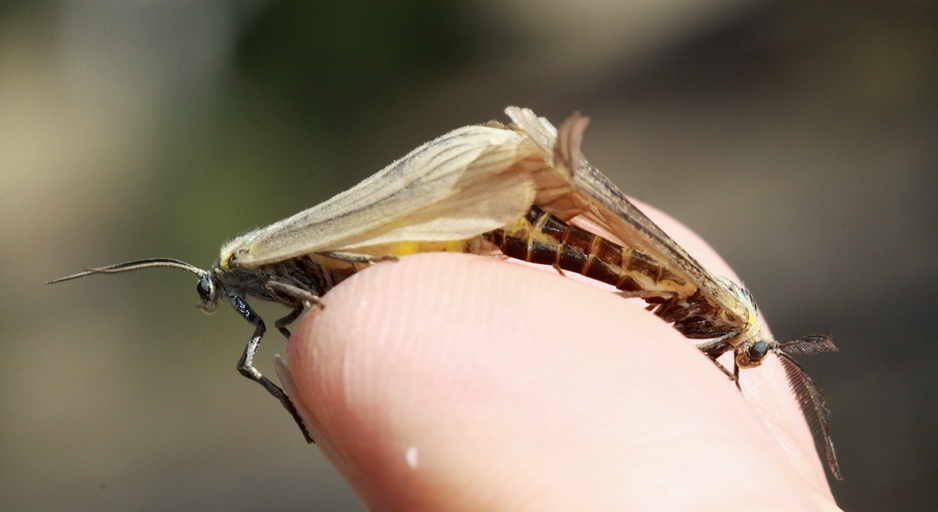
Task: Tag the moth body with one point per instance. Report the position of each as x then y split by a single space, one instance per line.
540 237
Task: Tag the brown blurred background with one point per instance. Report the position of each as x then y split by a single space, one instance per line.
798 137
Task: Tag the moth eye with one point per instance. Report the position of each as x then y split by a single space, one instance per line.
758 351
206 289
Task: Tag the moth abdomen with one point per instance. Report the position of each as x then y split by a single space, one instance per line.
542 238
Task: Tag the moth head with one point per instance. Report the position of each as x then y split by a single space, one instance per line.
751 354
208 292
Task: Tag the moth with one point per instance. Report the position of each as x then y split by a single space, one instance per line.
436 198
653 267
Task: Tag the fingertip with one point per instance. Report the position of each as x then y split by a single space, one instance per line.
441 373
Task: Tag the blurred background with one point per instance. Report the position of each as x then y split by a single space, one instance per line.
797 137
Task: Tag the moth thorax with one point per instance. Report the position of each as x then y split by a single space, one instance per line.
746 306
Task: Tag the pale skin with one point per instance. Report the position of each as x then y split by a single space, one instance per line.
459 382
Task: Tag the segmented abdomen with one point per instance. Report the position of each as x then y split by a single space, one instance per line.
540 237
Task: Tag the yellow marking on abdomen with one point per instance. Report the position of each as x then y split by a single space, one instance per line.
408 248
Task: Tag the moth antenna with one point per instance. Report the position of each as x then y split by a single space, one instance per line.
130 266
814 408
812 344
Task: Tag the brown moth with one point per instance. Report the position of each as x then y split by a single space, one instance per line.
653 267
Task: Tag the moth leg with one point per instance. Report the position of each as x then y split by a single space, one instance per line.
644 294
288 319
733 375
352 257
296 294
716 348
246 363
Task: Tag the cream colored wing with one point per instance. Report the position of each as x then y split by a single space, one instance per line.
469 181
609 208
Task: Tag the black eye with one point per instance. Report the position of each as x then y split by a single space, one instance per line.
205 289
758 351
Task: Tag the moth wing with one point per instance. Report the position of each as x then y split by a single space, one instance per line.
464 183
475 207
609 208
556 192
